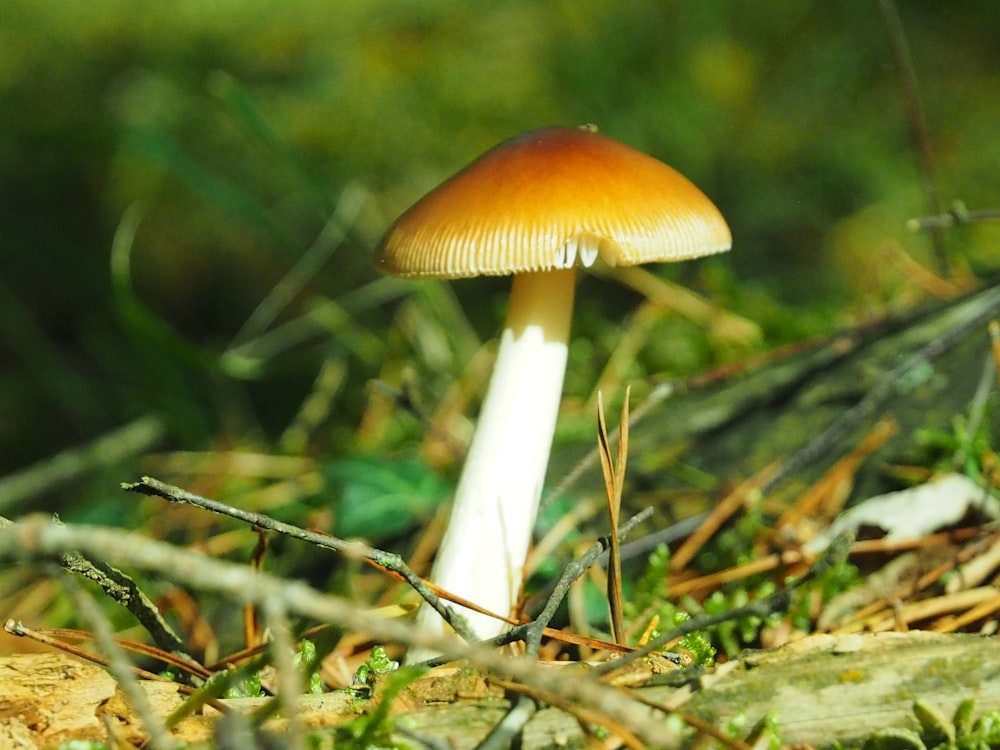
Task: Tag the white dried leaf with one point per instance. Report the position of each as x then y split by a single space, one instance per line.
914 512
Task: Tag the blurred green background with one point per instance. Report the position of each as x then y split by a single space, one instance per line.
164 166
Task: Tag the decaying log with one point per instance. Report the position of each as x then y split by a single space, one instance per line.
824 689
732 423
844 688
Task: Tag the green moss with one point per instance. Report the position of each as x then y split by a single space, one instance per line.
936 732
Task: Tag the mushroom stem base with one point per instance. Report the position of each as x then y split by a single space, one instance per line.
483 552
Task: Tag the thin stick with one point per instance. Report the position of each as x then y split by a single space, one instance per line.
509 728
918 125
699 725
531 632
825 498
957 215
503 734
387 560
55 637
994 329
970 616
37 540
118 663
974 313
718 516
308 265
779 601
715 581
122 589
289 680
622 731
134 438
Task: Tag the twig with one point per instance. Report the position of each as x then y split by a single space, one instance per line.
918 125
208 693
36 539
129 440
970 616
825 498
118 663
599 551
714 581
699 725
983 306
649 542
308 265
583 715
717 517
126 592
433 743
387 560
761 608
994 329
54 637
122 589
759 386
531 633
957 215
503 734
289 682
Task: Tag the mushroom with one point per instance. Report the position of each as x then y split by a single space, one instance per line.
534 206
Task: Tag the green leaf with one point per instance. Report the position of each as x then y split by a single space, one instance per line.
936 730
382 498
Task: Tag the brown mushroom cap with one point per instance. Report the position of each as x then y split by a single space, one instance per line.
518 206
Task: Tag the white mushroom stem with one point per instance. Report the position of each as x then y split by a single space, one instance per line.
482 555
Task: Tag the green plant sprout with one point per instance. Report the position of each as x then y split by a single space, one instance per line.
307 660
377 664
733 635
650 595
248 687
937 733
373 731
964 445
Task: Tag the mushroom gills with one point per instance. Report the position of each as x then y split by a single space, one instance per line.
584 245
